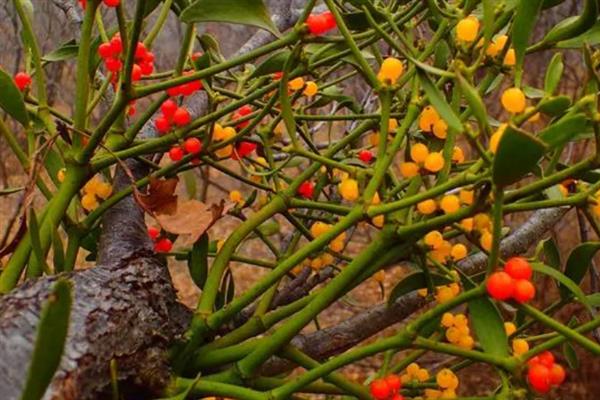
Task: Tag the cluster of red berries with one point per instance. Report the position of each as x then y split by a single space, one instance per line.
544 372
108 3
514 282
22 80
306 189
172 114
387 388
161 245
319 24
190 146
240 113
112 51
185 89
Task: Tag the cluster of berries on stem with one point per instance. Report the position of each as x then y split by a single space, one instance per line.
512 283
161 244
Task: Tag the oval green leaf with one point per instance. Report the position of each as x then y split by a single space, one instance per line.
488 326
555 106
415 281
475 102
198 261
50 341
579 262
525 18
517 155
562 131
564 281
245 12
554 74
273 63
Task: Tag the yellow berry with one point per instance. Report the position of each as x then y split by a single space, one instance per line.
510 58
412 369
423 292
104 190
378 221
236 196
509 328
419 152
391 70
452 335
427 207
440 129
482 222
91 186
486 240
497 46
374 139
444 294
428 118
495 138
60 176
327 259
535 117
434 162
467 224
466 196
296 84
447 320
434 239
392 124
520 346
513 100
337 245
455 289
466 342
446 379
422 375
460 320
224 152
316 264
89 202
459 251
457 155
448 394
310 89
349 189
431 394
319 228
409 169
467 29
450 204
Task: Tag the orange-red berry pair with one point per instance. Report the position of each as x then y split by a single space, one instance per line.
514 282
387 388
171 114
319 24
190 146
161 245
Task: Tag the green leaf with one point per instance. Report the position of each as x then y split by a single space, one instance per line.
415 281
437 100
525 17
66 51
574 26
273 63
269 228
517 155
150 6
564 281
245 12
551 253
191 186
570 355
475 102
50 341
555 106
591 37
594 300
334 93
554 73
58 252
579 262
34 233
198 261
442 54
488 18
562 131
488 326
11 99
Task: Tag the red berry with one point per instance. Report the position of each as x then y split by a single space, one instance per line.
22 80
163 245
317 24
393 382
193 145
398 397
500 285
243 149
380 389
83 3
187 89
153 232
557 374
518 268
539 378
546 358
182 117
524 291
147 67
112 3
244 110
174 91
197 55
277 75
365 156
136 73
140 51
533 361
105 50
176 153
329 19
131 110
162 125
168 108
306 189
116 44
113 64
149 58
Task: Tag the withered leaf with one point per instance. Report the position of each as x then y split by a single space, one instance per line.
192 218
160 198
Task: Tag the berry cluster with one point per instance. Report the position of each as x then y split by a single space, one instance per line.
241 113
93 190
497 46
442 249
544 372
161 245
320 228
431 122
221 134
514 282
387 388
111 53
414 373
457 330
172 114
447 382
319 24
185 89
190 146
22 80
390 71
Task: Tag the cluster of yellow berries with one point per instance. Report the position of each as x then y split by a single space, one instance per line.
519 346
448 204
319 228
391 70
457 330
431 161
221 134
431 122
310 87
467 30
443 249
348 189
414 373
496 47
93 190
319 262
443 293
448 383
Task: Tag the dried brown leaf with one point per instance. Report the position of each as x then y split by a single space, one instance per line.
161 198
192 218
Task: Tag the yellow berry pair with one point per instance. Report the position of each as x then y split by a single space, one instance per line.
414 373
221 134
93 190
457 330
420 155
497 46
431 122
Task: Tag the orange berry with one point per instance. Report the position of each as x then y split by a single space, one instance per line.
440 129
348 189
434 239
467 29
427 207
459 251
510 58
520 346
500 286
419 152
391 70
409 169
428 118
450 204
524 291
311 89
513 100
457 155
